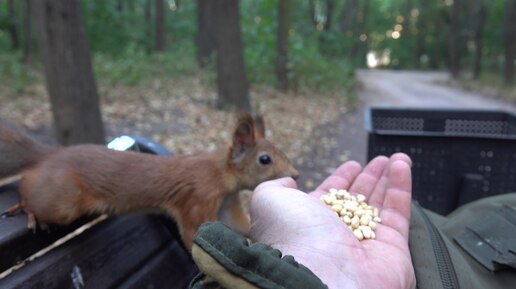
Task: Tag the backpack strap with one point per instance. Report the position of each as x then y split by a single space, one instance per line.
491 239
432 261
432 240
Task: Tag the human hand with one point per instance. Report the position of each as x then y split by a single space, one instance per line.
300 225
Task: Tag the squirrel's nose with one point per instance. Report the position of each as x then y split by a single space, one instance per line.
295 174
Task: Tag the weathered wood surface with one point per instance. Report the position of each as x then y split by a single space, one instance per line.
132 251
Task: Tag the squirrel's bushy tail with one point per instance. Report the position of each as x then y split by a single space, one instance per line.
18 150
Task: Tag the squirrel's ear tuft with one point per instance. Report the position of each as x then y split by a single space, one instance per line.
243 137
259 126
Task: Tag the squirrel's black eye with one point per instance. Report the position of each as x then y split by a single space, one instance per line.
265 159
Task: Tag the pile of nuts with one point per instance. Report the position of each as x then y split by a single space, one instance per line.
360 217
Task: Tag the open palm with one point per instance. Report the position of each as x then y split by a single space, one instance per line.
300 225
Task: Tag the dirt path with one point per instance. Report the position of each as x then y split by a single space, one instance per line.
419 89
347 138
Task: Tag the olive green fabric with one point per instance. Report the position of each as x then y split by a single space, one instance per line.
491 239
226 257
440 261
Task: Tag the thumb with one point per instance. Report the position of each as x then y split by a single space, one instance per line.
277 184
269 195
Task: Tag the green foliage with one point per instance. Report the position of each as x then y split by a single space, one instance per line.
121 36
494 36
311 69
15 74
316 60
134 65
258 19
489 84
122 40
111 28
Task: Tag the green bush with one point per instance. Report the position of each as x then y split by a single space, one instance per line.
14 73
311 69
315 57
134 65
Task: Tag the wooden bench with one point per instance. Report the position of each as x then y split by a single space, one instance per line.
131 251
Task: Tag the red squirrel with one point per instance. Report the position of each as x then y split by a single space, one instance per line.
59 185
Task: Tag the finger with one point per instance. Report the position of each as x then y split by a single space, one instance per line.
377 197
366 181
342 178
396 206
401 157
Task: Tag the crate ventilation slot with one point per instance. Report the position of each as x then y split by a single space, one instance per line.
462 127
399 123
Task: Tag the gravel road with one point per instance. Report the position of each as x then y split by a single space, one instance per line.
347 138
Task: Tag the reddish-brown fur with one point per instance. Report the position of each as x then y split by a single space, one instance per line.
70 182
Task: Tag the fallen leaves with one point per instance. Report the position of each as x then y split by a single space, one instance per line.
178 113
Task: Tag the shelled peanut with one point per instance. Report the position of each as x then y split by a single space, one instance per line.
353 210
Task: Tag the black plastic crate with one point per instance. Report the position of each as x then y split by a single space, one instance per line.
458 155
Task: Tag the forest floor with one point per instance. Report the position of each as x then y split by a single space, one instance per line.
180 114
318 132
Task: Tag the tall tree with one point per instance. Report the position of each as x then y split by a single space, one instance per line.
478 30
232 83
330 4
147 11
149 25
13 25
510 41
360 33
120 6
27 32
441 20
348 15
420 31
68 72
160 26
454 39
205 31
409 27
282 43
313 12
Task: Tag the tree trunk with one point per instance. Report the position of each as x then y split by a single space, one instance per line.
439 37
148 12
27 29
205 31
420 33
510 41
311 7
330 4
282 58
360 46
348 15
149 25
454 40
480 16
13 25
160 26
232 84
120 6
68 72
